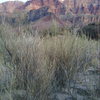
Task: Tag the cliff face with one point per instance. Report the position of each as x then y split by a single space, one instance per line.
55 6
34 15
63 6
83 6
10 6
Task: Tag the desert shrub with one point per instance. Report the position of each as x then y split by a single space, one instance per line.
92 31
15 19
45 65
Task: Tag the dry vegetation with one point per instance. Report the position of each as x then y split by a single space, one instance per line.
43 65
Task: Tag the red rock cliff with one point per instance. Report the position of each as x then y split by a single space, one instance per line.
55 6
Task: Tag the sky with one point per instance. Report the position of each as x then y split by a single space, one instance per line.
17 0
11 0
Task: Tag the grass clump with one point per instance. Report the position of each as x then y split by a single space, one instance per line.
43 65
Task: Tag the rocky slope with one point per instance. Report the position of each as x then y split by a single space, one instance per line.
62 6
83 6
75 12
34 15
55 6
10 6
48 22
43 20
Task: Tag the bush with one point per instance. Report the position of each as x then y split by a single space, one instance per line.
45 65
92 31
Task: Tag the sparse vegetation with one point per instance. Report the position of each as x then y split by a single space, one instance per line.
41 66
92 31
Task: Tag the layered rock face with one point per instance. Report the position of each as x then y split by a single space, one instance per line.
83 6
34 15
62 6
55 6
43 19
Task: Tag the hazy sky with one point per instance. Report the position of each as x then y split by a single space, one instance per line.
17 0
12 0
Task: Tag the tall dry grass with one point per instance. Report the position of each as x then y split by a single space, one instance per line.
45 65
